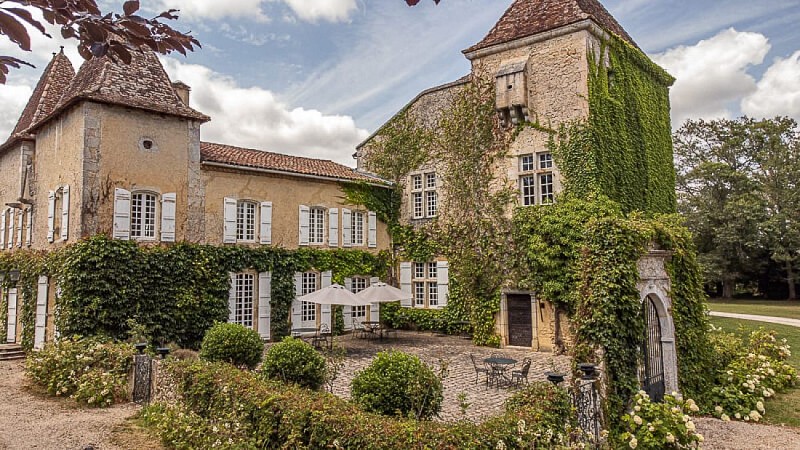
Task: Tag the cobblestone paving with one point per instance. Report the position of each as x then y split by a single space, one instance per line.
484 401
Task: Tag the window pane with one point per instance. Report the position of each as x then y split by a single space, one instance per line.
526 163
419 271
316 226
244 299
309 312
416 182
431 203
430 180
246 221
143 216
358 285
433 294
528 189
432 270
358 228
419 294
309 284
359 312
546 188
418 212
545 161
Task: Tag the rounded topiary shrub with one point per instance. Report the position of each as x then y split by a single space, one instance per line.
398 384
232 343
295 361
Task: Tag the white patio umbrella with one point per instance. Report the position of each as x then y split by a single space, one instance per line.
335 294
382 293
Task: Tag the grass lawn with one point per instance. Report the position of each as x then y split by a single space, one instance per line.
784 409
777 308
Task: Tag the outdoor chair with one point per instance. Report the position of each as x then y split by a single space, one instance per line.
522 374
358 329
321 338
479 370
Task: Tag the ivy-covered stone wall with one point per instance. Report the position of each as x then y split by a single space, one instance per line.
167 294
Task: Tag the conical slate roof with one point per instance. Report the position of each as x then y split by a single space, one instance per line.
528 17
51 86
142 84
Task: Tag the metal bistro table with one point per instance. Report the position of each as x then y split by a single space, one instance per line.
499 367
375 326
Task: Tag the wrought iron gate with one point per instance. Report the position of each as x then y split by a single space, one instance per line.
651 371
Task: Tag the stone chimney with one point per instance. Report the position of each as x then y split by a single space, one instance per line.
182 89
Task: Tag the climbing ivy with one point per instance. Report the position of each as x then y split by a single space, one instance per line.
175 293
624 150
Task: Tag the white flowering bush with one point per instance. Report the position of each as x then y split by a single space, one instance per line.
665 425
759 371
91 371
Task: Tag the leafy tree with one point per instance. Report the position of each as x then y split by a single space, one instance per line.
737 188
98 34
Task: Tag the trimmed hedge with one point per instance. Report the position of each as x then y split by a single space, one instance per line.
295 361
225 407
232 343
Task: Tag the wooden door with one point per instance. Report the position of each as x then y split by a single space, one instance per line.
520 322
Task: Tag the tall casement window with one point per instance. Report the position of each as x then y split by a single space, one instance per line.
426 281
143 215
357 219
309 285
424 198
358 285
245 293
245 221
536 179
316 226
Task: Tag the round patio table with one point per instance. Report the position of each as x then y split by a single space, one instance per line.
500 365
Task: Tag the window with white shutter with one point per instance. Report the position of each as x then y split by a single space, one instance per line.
264 307
51 216
20 227
3 225
143 216
41 313
11 317
373 230
265 231
357 224
29 228
245 221
347 228
405 283
316 226
229 221
12 214
326 310
333 227
64 213
122 215
168 207
304 213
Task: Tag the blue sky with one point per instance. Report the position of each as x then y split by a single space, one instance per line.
314 77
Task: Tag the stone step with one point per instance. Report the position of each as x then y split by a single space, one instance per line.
11 356
10 348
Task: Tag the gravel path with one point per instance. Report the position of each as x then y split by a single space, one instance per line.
30 421
768 319
721 435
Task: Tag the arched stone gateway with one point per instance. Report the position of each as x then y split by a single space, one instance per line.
658 371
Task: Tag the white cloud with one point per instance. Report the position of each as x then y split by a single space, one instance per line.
253 117
778 91
216 10
712 74
330 10
13 98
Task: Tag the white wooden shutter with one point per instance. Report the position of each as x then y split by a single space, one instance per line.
373 230
374 308
122 215
347 228
64 213
443 280
405 283
304 225
264 308
333 227
3 229
10 225
29 228
296 304
11 329
265 232
168 207
347 311
41 313
229 221
232 299
57 297
326 309
20 226
51 216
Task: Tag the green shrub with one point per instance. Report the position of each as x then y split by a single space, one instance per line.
656 426
217 406
232 343
398 384
295 361
90 370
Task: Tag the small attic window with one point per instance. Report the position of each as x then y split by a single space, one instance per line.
148 145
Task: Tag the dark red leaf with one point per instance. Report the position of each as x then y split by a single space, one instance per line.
130 7
25 15
15 31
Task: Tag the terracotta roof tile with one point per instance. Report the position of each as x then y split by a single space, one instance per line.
528 17
51 86
142 84
259 159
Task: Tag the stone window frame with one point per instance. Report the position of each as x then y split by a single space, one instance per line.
358 284
425 284
424 194
245 293
536 178
310 282
246 224
357 222
316 225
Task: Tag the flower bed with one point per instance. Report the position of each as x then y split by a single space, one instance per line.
664 425
90 371
221 406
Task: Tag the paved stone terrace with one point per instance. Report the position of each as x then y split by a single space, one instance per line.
484 401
